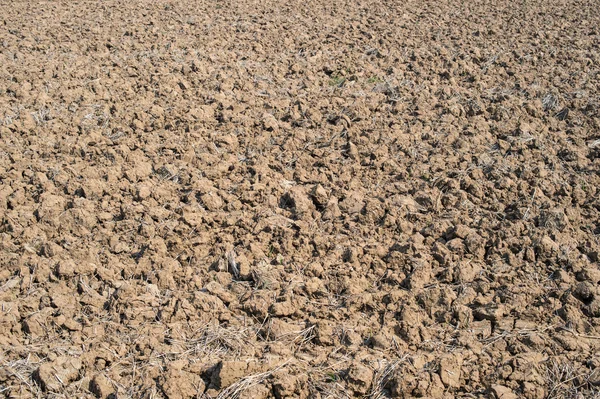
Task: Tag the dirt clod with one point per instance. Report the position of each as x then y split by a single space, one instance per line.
58 374
451 371
180 384
360 377
101 386
502 392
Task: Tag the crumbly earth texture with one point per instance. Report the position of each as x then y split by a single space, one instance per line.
300 199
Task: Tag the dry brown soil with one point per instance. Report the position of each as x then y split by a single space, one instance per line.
300 199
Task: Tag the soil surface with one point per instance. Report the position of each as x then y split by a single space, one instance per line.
300 199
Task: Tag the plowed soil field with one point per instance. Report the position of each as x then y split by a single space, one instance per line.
300 199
